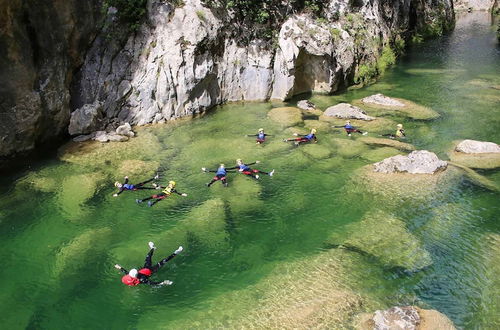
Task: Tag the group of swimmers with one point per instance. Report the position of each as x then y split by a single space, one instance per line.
142 276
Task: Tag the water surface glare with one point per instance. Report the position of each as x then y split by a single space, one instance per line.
266 253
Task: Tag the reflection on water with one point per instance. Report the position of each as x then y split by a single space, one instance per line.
313 245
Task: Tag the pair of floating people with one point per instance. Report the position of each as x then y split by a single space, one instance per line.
142 276
261 137
221 172
152 200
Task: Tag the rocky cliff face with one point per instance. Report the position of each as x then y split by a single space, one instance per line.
41 44
183 61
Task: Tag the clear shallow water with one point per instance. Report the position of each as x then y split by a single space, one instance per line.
62 231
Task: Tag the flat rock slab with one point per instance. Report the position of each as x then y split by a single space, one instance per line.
477 147
481 161
417 162
306 105
387 142
380 104
286 116
405 318
347 111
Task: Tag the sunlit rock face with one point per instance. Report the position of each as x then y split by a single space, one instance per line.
180 62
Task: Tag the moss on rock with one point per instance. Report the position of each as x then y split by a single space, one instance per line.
286 116
348 148
385 237
378 154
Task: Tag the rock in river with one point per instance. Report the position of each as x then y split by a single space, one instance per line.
347 111
417 162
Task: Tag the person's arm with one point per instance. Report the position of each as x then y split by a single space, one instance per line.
403 133
231 168
267 134
122 269
178 193
162 283
338 126
252 134
204 169
256 162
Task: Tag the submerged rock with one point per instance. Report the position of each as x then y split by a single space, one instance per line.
387 142
310 293
379 104
316 151
385 237
75 191
406 318
135 167
287 116
417 162
77 253
379 154
348 148
477 147
346 111
477 178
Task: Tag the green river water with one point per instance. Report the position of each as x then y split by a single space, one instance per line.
265 253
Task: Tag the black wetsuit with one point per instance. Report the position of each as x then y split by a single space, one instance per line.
143 278
220 174
138 186
158 197
245 169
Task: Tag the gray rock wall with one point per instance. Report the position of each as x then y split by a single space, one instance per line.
41 44
179 63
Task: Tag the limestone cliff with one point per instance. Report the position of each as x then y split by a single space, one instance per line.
41 44
185 59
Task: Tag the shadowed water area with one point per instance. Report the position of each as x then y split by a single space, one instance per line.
312 246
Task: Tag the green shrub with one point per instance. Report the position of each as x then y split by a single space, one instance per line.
129 12
387 59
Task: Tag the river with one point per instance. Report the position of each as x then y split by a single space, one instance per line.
265 253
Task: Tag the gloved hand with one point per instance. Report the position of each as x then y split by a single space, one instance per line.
118 266
166 282
115 195
257 161
204 169
184 194
179 250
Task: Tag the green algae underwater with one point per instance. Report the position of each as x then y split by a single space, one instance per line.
311 247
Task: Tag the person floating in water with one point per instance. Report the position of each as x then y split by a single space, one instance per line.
135 277
247 170
400 133
167 191
350 129
303 138
139 186
261 136
220 174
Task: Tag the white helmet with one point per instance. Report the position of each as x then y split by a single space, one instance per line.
133 272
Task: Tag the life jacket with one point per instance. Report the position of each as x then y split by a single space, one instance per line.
128 186
348 126
244 167
221 171
145 271
309 136
168 191
129 280
400 133
261 136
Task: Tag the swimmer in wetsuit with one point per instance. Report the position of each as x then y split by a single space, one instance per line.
247 170
261 136
139 186
135 277
220 174
167 191
400 133
303 138
350 129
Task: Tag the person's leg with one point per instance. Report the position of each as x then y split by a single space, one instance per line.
144 199
147 262
213 180
224 181
142 188
155 268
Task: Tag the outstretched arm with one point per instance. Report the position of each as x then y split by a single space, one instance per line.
121 269
204 169
252 134
178 193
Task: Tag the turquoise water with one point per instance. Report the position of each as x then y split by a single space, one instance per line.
258 249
